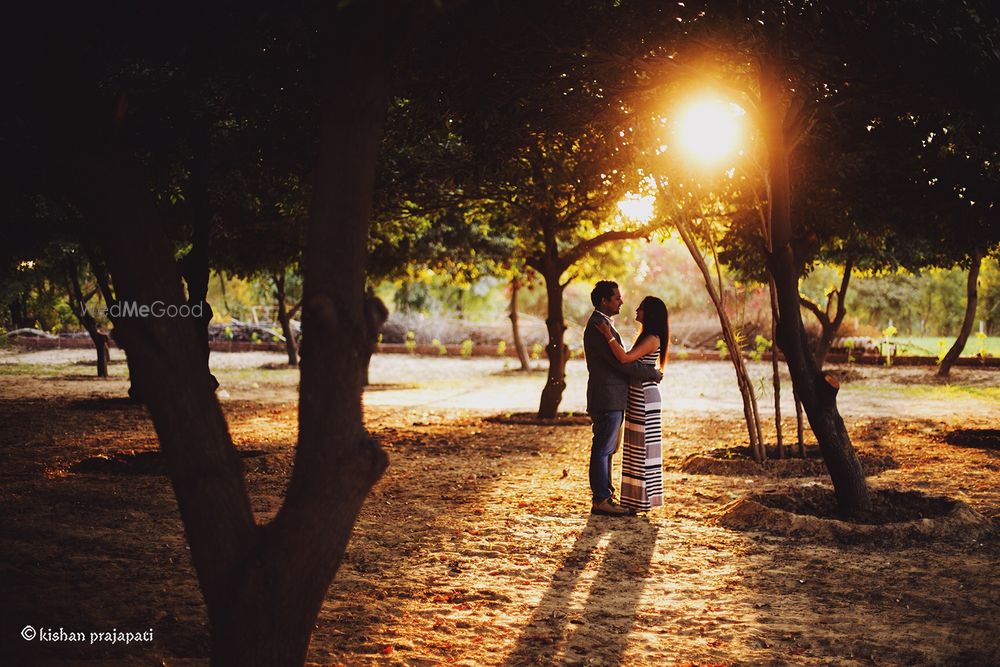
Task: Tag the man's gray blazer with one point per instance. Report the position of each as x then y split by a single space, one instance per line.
607 385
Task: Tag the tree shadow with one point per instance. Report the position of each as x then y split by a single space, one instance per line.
599 629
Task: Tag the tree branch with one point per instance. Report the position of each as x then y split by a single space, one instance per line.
815 310
582 248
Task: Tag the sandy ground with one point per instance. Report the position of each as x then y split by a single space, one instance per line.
476 547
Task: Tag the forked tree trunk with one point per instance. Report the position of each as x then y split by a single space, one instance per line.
830 325
283 318
556 350
522 353
971 303
263 585
817 391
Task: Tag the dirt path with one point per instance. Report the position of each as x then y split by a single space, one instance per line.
477 548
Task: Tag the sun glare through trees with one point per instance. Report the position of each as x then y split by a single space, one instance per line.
710 130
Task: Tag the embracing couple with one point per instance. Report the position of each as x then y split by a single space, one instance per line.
622 388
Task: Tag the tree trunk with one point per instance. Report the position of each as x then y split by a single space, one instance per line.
522 353
750 412
375 316
79 305
775 374
800 440
195 264
135 391
817 391
263 585
971 303
829 326
556 350
286 323
17 314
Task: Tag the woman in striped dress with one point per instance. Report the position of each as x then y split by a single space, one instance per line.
642 466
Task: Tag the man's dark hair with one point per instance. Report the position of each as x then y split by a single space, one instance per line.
604 289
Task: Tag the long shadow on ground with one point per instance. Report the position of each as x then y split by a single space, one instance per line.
624 547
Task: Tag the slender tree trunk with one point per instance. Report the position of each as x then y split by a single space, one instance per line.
750 413
286 323
800 440
775 374
817 390
971 303
556 350
79 305
522 353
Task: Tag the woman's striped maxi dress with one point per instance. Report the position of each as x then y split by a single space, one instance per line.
642 464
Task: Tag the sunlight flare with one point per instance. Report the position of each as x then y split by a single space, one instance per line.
637 208
709 130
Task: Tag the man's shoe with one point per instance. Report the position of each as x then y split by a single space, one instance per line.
608 507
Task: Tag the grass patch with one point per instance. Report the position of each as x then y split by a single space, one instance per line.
934 392
928 346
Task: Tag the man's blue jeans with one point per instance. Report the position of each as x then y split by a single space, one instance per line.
607 426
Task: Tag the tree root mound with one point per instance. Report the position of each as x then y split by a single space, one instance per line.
898 517
737 462
982 438
132 462
532 419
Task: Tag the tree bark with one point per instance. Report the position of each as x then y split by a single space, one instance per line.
286 323
971 303
817 391
522 353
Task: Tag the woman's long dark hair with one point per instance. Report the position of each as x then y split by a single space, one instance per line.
655 322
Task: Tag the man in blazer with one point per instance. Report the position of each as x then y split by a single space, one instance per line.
607 394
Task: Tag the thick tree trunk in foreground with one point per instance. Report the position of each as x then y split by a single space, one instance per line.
263 585
522 353
285 320
971 303
817 391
